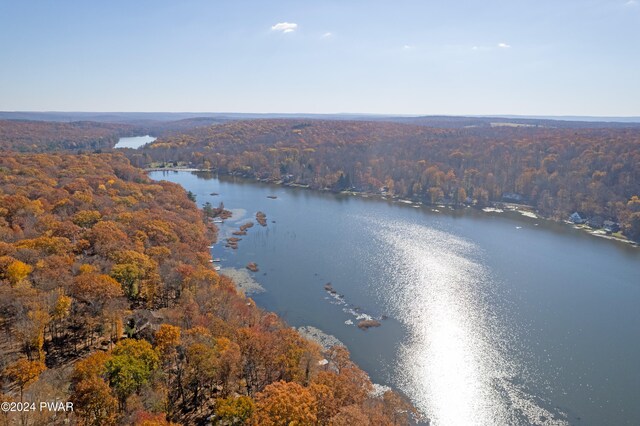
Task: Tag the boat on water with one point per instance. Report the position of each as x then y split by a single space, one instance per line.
215 259
218 221
217 268
210 247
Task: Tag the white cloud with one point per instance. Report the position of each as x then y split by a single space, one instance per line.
285 27
327 35
407 47
504 45
631 3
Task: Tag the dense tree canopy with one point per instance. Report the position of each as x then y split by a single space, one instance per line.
107 295
557 170
40 136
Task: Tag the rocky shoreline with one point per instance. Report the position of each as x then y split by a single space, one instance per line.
243 280
326 341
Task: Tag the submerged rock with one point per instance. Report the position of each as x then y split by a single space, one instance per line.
368 323
328 287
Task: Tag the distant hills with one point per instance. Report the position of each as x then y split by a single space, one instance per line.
192 119
556 166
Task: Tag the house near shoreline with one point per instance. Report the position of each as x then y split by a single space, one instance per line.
512 197
578 218
611 226
596 222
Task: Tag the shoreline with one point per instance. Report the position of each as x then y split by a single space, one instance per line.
243 280
325 340
493 207
172 169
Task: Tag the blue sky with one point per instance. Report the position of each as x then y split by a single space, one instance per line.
393 57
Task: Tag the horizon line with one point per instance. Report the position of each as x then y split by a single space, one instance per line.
412 115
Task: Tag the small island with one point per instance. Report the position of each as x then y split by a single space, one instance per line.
232 242
261 218
246 226
368 323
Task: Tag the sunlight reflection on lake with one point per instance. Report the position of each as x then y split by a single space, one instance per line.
454 362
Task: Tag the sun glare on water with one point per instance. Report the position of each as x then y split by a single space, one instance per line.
459 366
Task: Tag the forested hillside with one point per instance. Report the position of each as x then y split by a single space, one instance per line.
558 171
108 300
39 136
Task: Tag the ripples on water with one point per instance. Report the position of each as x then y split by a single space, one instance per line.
460 365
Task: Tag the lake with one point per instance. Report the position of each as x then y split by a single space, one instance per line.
134 142
487 318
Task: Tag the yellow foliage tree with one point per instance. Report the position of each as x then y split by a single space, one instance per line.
34 333
91 366
60 310
167 337
137 273
61 307
24 373
234 410
86 218
17 271
93 402
285 403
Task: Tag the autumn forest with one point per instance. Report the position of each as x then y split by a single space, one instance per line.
108 298
555 170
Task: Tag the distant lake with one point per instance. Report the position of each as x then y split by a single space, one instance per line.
134 142
493 319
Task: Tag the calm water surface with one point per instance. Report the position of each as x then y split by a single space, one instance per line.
493 319
134 142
